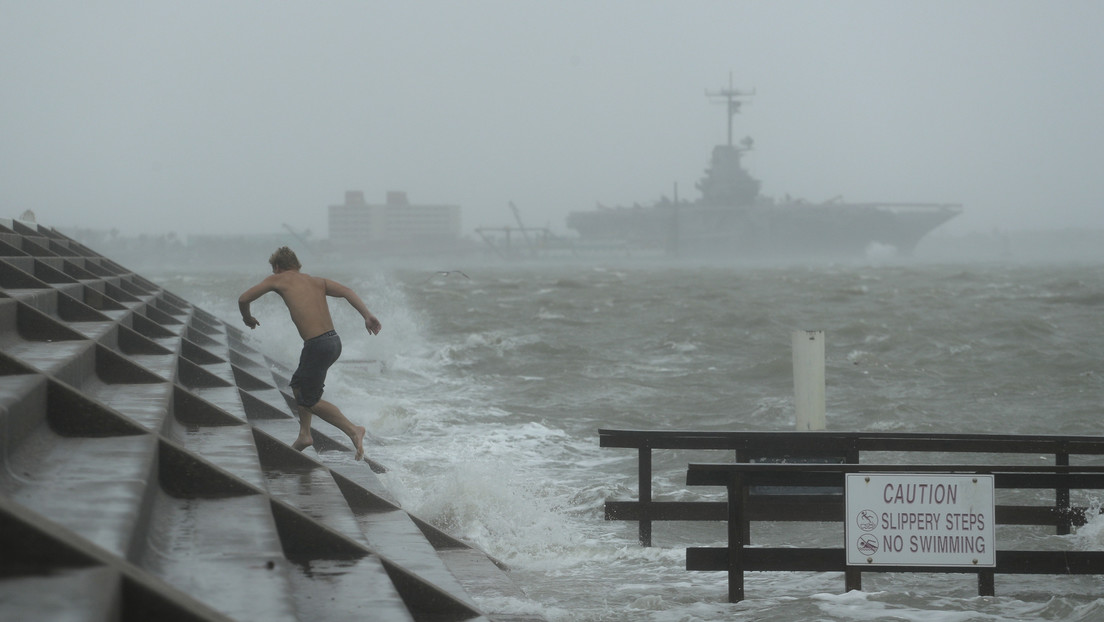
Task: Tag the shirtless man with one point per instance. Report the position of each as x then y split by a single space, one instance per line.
305 297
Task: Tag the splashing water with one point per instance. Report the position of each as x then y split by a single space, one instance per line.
485 396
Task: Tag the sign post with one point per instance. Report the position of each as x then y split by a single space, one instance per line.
913 519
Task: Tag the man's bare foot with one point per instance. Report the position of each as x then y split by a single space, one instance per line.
302 443
358 441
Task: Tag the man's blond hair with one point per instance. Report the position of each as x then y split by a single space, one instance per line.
284 259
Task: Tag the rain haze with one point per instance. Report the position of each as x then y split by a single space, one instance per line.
215 117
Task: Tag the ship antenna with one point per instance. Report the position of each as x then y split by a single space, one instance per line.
732 98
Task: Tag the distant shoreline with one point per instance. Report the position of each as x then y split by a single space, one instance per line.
232 250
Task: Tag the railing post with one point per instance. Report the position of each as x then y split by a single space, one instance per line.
987 583
852 579
853 451
852 576
644 475
742 456
737 524
1062 497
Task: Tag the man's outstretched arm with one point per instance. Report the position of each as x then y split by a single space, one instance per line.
337 290
251 294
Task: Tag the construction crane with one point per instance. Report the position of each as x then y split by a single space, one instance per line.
505 250
524 233
302 238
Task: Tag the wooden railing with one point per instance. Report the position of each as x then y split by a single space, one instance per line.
743 507
835 447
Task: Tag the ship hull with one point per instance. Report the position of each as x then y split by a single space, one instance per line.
765 230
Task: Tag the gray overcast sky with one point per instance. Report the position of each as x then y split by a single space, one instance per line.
213 116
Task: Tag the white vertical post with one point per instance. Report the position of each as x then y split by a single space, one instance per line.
808 366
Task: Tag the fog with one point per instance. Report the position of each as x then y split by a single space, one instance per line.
212 117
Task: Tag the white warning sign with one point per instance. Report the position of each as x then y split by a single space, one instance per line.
913 519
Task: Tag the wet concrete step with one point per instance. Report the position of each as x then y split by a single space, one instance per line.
91 486
90 595
147 472
226 550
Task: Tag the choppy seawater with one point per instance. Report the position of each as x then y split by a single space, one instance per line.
485 395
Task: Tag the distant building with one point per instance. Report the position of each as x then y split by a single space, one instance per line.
397 225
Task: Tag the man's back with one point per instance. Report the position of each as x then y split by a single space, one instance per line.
305 297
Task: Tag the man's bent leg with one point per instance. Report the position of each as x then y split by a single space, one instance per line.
332 415
304 439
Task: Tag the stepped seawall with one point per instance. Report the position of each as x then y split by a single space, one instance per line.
146 474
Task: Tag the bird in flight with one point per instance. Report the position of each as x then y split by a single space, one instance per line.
448 272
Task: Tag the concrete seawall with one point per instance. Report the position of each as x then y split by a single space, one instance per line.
146 474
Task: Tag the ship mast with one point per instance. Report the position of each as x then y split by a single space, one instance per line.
732 97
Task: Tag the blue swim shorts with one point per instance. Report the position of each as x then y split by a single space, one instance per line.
318 354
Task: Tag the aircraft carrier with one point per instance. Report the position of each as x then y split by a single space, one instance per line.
732 218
